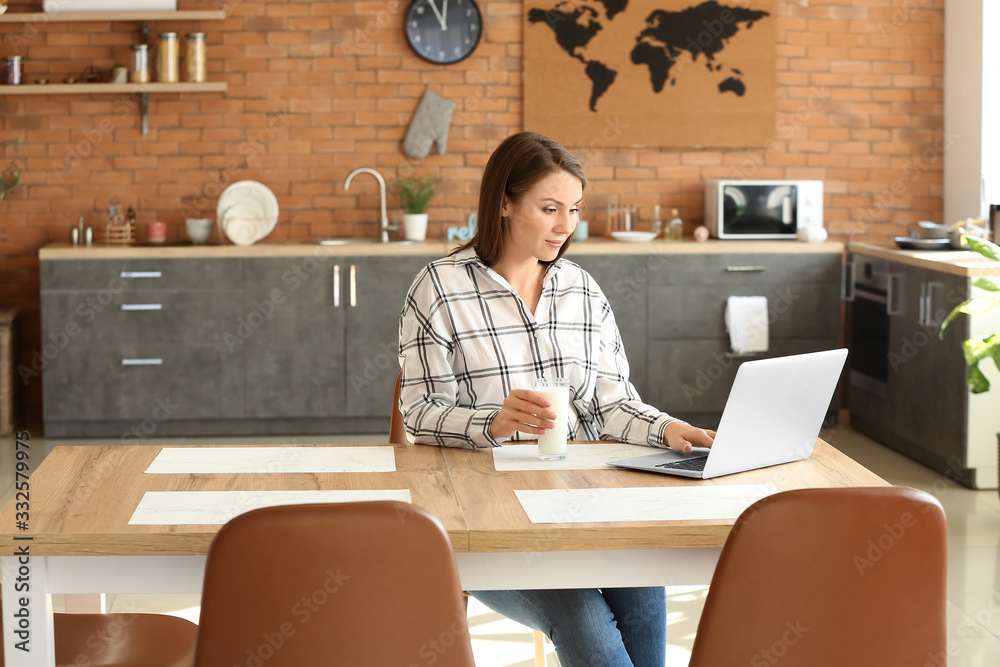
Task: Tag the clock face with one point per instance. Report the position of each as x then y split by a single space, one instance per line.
443 31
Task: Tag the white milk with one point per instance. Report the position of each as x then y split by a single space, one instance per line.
552 444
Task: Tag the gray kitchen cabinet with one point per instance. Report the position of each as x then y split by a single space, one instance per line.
293 335
690 362
379 288
138 343
624 279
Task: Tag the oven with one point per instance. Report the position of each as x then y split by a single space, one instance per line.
872 304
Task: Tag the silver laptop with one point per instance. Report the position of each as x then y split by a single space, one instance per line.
773 415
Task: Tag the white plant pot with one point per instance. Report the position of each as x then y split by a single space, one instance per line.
415 226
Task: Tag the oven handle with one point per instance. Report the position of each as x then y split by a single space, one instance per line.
889 309
847 286
922 317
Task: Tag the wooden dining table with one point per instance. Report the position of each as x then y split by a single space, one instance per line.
79 538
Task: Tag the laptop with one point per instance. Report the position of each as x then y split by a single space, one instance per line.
774 413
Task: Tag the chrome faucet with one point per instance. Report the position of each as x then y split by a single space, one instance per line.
384 226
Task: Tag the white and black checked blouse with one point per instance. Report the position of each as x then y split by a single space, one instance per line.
466 340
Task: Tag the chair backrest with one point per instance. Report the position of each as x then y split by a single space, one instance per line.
397 434
371 583
830 577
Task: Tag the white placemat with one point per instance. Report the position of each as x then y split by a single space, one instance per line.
583 456
209 460
159 508
697 503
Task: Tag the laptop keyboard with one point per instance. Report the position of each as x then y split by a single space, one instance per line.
697 463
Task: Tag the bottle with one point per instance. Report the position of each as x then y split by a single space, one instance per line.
168 57
196 57
140 63
657 223
676 226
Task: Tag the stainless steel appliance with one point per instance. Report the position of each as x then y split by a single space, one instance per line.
761 209
875 298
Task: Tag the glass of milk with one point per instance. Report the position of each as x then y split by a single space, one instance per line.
552 443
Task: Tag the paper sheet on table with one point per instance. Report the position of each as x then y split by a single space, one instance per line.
208 460
218 507
695 503
583 456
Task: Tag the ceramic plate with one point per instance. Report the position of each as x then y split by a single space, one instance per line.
906 243
633 237
255 197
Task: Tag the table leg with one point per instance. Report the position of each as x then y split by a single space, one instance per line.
27 612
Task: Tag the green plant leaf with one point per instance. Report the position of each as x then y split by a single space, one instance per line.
977 350
984 248
977 381
974 306
416 193
987 284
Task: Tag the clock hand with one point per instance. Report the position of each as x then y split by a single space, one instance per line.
444 26
444 21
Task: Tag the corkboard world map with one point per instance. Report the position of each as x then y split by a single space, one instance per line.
654 72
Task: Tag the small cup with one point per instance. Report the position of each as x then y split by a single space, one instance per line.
582 231
199 230
156 232
552 443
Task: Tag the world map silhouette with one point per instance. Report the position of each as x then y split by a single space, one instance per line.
701 32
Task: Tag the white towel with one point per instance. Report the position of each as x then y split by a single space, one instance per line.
746 320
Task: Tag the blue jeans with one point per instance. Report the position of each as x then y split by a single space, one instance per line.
612 627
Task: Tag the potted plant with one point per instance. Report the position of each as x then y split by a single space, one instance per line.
11 176
414 195
985 347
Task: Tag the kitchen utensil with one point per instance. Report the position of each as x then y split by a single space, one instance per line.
156 232
906 243
633 237
932 230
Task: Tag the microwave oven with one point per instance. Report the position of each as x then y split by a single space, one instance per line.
761 209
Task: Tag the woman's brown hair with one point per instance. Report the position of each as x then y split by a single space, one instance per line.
516 165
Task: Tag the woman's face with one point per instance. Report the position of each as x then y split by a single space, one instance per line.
539 224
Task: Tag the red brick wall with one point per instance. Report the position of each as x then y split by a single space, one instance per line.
317 89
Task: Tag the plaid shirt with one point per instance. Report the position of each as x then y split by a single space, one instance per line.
466 340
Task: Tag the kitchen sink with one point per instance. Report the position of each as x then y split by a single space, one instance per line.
361 241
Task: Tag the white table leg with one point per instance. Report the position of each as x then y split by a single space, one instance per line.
27 612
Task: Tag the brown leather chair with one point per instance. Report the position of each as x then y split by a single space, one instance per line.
397 436
371 583
122 640
827 578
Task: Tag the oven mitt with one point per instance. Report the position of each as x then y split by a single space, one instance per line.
429 125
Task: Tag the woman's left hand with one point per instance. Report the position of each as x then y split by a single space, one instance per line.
681 436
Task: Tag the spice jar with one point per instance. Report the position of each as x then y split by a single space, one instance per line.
196 71
168 58
14 73
140 63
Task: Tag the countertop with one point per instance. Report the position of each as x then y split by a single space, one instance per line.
592 246
964 263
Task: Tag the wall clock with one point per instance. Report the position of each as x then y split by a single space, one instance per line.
443 31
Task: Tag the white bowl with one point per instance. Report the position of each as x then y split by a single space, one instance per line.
199 230
633 237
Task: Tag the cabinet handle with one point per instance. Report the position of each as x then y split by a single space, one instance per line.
922 317
142 362
889 309
746 269
929 309
336 285
741 355
142 306
142 274
850 275
354 287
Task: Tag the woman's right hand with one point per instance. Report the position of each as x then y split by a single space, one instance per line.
523 410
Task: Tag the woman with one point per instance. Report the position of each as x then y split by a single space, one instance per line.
478 328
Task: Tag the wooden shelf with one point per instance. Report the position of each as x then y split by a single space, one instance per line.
75 17
97 88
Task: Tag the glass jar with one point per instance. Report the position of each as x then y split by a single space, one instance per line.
196 69
14 72
140 63
169 56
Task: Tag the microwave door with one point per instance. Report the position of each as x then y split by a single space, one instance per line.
759 210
